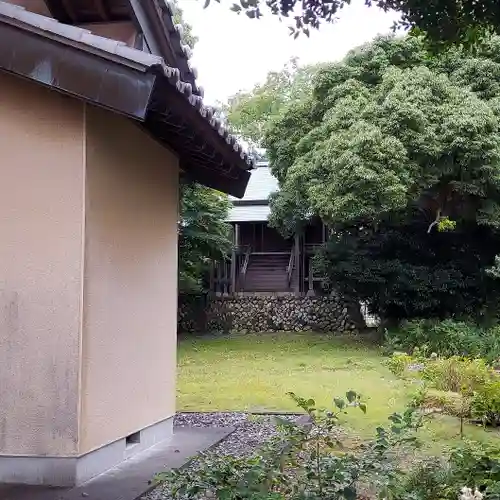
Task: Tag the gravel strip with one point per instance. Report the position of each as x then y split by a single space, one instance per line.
251 432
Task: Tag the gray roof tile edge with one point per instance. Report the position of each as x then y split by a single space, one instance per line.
108 47
181 48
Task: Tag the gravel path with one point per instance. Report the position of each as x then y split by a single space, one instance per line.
251 432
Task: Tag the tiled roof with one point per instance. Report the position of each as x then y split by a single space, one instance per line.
249 213
116 51
176 31
262 184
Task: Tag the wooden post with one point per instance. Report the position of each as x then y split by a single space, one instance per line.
212 278
234 258
236 235
233 271
296 260
225 289
311 278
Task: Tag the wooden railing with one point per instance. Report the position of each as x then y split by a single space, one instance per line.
291 264
312 247
244 267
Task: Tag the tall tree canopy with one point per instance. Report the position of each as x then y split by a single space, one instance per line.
250 112
444 21
399 152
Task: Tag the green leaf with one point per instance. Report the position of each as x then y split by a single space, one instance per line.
351 396
339 403
362 407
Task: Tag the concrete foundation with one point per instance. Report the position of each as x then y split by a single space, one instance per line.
74 471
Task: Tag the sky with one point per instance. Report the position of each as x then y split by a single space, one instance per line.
234 52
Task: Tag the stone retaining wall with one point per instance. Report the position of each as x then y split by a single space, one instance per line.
257 313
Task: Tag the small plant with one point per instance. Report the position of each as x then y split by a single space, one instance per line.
485 404
398 363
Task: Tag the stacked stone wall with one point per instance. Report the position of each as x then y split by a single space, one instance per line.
265 313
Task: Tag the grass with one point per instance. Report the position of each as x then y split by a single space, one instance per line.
254 373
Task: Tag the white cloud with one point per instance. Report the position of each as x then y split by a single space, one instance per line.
234 52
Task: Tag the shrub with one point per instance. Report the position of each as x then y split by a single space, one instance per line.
450 403
477 466
457 374
398 363
485 405
446 338
426 480
472 467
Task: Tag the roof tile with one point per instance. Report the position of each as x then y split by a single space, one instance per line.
261 185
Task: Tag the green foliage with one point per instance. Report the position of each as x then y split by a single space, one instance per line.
399 362
398 152
457 374
485 404
204 235
250 112
447 402
303 461
446 224
465 22
477 466
403 272
472 465
446 338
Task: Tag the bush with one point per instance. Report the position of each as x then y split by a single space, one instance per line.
477 466
450 403
457 374
485 404
446 338
473 466
398 363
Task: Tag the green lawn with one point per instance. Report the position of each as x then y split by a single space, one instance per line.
254 372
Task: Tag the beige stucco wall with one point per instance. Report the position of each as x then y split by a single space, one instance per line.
41 243
130 292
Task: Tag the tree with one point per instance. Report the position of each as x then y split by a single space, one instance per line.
249 113
203 232
398 152
444 21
